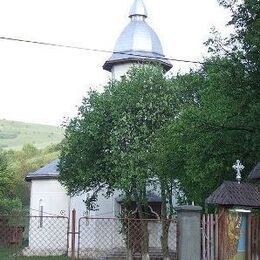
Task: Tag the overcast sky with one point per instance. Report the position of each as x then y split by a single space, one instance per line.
41 84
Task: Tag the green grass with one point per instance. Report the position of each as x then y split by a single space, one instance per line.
13 135
9 254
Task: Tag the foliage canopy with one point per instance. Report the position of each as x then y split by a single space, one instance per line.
109 145
185 130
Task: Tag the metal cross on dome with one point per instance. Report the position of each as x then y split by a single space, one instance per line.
238 167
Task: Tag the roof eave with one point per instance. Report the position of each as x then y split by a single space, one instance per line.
255 173
110 63
229 205
43 177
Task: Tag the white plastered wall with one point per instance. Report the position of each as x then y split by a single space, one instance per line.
53 198
120 70
102 230
47 233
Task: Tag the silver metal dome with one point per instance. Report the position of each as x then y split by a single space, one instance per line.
138 42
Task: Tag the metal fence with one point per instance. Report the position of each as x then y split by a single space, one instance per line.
114 238
33 236
86 238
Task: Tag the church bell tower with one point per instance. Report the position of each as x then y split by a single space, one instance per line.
137 44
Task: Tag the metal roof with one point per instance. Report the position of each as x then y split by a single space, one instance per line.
255 173
138 42
138 8
235 194
49 171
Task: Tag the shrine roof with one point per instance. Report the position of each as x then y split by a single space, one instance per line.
235 194
255 173
49 171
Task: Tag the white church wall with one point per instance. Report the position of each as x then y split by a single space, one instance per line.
52 197
155 233
77 203
107 207
49 198
120 70
102 231
48 234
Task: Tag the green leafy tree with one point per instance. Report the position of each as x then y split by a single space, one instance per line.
110 144
182 133
221 123
8 200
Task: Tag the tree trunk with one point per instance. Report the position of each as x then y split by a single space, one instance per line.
144 233
165 239
165 223
145 241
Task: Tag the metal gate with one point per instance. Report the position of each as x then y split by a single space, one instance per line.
114 238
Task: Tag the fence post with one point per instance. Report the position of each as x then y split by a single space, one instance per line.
189 232
73 234
249 236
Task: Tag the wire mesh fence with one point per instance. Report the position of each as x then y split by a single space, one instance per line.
22 237
114 238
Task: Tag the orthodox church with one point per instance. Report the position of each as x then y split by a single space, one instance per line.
137 44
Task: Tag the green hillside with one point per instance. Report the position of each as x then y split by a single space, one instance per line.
13 135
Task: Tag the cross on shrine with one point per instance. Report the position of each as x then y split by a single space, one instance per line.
238 167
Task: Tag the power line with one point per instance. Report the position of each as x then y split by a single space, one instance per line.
51 214
98 50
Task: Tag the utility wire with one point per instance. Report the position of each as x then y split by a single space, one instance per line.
99 50
48 213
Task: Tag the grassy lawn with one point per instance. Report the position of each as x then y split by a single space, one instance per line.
7 254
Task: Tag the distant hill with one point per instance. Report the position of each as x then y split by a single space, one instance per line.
13 135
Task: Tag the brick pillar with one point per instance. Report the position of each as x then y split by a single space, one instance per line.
189 232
